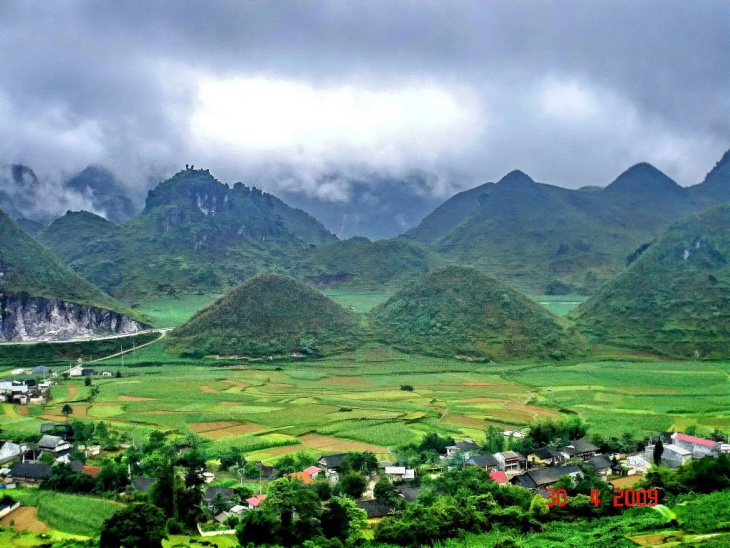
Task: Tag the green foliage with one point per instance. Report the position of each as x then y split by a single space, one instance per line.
458 311
268 314
140 525
194 235
674 298
352 484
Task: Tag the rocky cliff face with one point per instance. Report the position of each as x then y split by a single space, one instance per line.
24 318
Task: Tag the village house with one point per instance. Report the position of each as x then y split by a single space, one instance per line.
10 451
55 445
544 456
672 455
399 473
543 478
375 508
637 464
331 464
601 465
699 447
29 474
212 495
266 472
19 371
255 501
464 448
581 449
142 483
510 462
488 462
408 492
499 477
303 476
313 471
41 370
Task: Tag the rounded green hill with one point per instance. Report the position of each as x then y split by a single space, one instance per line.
458 311
269 314
675 298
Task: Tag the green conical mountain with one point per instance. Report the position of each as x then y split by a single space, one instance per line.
458 311
268 314
675 298
195 234
28 268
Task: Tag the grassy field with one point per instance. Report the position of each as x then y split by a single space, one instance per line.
173 311
354 401
72 514
559 305
358 301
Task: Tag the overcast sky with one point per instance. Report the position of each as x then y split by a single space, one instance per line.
572 93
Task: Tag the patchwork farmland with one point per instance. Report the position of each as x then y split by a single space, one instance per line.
362 401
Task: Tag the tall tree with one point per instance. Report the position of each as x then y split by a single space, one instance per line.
139 525
658 451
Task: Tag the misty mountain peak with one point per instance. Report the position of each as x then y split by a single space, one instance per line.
516 177
643 177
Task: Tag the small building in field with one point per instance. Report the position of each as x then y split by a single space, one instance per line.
29 473
395 473
313 471
10 450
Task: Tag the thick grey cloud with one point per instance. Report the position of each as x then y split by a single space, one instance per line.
570 92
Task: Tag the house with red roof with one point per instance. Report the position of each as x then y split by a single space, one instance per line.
499 477
699 447
304 477
91 470
312 471
254 502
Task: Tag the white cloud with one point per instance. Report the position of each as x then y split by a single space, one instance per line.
296 121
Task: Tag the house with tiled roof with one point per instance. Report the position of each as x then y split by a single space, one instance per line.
544 456
313 471
464 448
600 464
304 477
142 484
672 455
499 477
488 462
255 501
543 478
28 473
581 449
510 461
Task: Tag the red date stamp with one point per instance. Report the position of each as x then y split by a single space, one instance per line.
622 498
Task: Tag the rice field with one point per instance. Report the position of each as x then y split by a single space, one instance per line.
355 401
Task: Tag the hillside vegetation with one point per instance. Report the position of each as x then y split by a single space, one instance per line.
458 311
268 314
28 268
547 239
195 235
675 297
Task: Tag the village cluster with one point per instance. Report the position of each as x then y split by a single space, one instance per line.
30 464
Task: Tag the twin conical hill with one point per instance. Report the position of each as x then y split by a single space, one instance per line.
675 298
458 311
266 315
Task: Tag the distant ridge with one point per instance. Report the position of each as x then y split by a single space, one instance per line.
547 239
